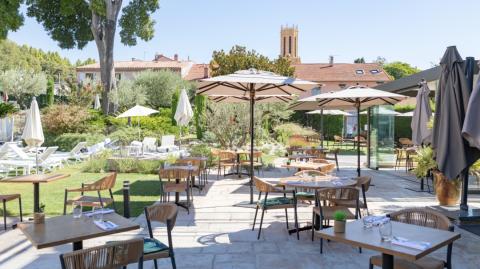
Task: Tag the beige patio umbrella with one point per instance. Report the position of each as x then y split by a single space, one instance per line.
356 96
138 111
253 86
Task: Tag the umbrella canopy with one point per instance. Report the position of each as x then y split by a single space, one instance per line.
421 116
262 83
406 114
253 86
334 112
97 104
184 112
33 131
356 96
451 104
471 128
137 111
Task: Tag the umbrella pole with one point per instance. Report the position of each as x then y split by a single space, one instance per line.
252 133
321 123
36 160
357 104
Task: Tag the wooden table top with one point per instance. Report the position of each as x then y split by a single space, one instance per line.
317 182
35 178
357 236
305 165
65 229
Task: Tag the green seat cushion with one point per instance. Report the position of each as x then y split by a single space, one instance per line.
276 201
303 194
152 245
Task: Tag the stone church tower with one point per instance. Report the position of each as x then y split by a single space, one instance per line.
289 43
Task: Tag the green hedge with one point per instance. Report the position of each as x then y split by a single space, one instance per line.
402 127
103 163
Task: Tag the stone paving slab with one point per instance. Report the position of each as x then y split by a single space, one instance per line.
217 233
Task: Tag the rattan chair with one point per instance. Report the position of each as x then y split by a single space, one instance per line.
328 169
106 183
337 141
422 217
110 256
319 154
333 157
363 184
6 198
282 202
405 142
226 159
257 162
166 214
326 205
176 181
199 174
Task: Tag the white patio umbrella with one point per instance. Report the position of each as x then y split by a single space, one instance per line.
138 111
253 86
97 104
406 114
184 112
356 96
33 131
384 111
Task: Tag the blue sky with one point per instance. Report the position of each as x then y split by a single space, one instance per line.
413 31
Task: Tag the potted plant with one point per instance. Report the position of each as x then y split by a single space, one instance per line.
39 217
340 220
447 191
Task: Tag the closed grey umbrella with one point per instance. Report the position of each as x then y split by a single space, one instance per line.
471 126
453 155
421 116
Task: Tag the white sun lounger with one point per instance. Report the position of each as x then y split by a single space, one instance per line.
45 162
168 144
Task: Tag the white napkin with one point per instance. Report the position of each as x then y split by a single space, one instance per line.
404 242
103 211
105 225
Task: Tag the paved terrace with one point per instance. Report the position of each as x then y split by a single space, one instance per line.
217 233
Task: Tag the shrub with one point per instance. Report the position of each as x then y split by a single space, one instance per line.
97 164
403 127
7 109
285 131
59 119
202 150
67 141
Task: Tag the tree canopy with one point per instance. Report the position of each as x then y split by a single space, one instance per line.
399 69
10 17
359 60
239 58
22 85
13 56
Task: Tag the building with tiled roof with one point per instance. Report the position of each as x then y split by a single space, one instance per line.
128 69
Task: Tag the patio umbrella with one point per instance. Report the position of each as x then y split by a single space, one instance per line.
253 86
453 154
33 131
383 111
184 112
421 116
97 104
138 111
406 114
333 112
357 96
471 128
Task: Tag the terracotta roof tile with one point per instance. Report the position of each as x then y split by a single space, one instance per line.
138 65
197 71
341 72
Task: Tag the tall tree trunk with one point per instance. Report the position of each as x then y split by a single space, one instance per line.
103 30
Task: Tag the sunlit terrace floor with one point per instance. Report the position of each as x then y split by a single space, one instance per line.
217 232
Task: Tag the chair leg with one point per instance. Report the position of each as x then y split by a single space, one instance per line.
20 207
255 218
286 217
296 221
155 264
113 201
313 225
370 265
261 222
321 245
4 215
336 162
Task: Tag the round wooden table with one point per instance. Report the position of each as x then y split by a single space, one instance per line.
317 182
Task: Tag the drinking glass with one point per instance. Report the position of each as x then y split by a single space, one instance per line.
98 213
77 210
368 222
385 229
189 164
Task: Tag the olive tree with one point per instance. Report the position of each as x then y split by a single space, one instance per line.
23 85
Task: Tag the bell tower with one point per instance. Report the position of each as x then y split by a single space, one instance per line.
289 43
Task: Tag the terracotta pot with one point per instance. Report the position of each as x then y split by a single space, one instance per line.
339 226
447 191
38 218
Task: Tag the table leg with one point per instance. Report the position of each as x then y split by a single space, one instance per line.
36 197
387 261
77 245
421 184
238 166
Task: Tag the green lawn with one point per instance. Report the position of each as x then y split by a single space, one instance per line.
144 191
